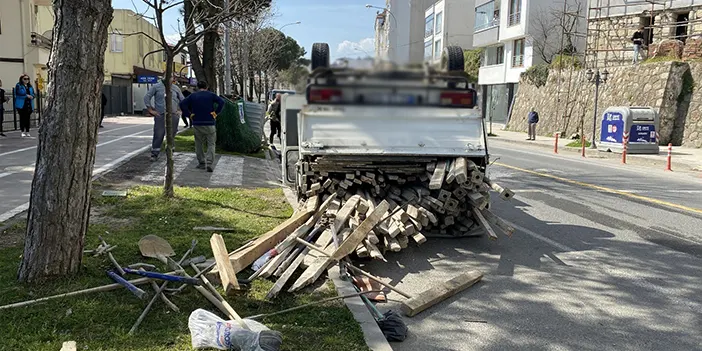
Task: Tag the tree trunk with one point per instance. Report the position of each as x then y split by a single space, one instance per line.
251 87
170 140
59 205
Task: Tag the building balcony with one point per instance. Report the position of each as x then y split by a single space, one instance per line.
514 19
486 36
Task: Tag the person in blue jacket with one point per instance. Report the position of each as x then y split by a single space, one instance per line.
200 106
533 120
24 103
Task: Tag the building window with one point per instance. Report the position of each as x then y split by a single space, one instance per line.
518 53
487 16
429 26
427 50
515 12
499 55
437 49
439 22
116 42
494 55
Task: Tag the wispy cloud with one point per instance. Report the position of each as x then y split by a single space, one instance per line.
363 47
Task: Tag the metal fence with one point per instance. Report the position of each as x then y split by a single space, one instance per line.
11 117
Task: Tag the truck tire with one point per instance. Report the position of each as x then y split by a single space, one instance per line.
320 55
452 59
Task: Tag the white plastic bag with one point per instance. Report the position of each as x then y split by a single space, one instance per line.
209 331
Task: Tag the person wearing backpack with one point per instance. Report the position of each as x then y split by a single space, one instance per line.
24 103
533 119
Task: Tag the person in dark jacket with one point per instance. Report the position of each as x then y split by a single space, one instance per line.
274 113
186 93
200 106
102 112
24 103
533 120
3 99
638 40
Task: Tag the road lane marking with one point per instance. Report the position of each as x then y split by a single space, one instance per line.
228 171
605 189
104 169
157 171
35 146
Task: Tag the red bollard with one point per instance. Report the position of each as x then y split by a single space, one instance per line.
583 140
555 146
670 157
625 143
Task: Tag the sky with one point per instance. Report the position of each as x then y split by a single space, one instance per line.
347 25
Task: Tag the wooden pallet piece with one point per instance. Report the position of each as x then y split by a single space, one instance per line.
361 232
505 194
324 239
275 262
314 271
461 170
411 307
498 222
227 274
419 238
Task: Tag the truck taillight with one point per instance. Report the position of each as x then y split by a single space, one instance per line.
457 98
324 95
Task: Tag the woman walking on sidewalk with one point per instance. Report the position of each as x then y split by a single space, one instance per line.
24 103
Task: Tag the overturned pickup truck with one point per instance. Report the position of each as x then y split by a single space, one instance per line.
412 137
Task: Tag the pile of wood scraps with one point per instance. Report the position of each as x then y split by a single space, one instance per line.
370 208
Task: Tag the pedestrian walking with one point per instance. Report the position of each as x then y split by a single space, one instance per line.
186 93
24 103
533 119
638 40
155 102
3 99
274 113
200 107
102 111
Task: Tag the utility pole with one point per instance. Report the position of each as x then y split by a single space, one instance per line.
227 55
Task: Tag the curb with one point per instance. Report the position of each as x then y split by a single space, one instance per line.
374 337
631 158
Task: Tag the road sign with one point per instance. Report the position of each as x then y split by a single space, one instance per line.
147 79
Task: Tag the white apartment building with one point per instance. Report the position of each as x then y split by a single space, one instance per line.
447 23
505 30
399 31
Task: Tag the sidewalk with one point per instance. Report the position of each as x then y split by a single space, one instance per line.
684 159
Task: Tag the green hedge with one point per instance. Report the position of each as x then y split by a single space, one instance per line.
232 135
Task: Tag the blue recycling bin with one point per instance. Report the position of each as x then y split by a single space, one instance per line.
641 124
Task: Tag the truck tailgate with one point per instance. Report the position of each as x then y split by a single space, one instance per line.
390 130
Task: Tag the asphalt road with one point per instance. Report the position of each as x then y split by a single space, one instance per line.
122 138
605 257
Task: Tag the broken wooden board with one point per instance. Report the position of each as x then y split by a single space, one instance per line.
324 239
484 223
342 216
441 292
227 273
244 258
499 222
114 193
437 179
314 271
350 244
280 283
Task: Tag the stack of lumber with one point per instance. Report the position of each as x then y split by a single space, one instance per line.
371 207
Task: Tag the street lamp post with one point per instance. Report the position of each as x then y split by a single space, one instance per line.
289 24
596 78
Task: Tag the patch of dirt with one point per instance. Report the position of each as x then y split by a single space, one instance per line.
127 175
12 234
97 216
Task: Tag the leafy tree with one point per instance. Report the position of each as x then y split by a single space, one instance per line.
472 62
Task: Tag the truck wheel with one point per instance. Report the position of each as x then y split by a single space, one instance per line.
320 55
452 59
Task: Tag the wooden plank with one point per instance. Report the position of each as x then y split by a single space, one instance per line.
373 250
227 274
280 283
499 222
441 292
392 244
451 174
324 239
360 233
275 262
461 170
244 258
403 240
437 179
419 238
484 223
314 271
307 226
505 194
342 216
